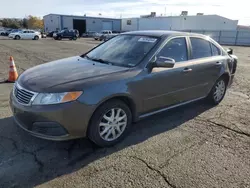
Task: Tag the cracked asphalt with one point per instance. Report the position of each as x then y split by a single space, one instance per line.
192 146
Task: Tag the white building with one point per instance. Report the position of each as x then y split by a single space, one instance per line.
53 22
198 22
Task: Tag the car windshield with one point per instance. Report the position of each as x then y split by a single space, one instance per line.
123 50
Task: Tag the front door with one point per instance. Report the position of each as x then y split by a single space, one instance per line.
169 86
208 62
65 34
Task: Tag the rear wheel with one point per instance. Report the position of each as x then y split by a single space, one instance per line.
36 38
17 37
218 91
74 38
59 38
110 123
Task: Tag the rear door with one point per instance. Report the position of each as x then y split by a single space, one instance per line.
208 62
169 86
31 35
24 35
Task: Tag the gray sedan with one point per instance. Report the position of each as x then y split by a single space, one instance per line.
134 75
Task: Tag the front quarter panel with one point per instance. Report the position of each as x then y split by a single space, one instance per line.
127 87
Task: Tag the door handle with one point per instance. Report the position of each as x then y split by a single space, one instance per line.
186 70
218 63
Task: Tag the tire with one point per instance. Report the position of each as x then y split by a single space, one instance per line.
36 38
97 133
17 37
74 38
59 38
220 88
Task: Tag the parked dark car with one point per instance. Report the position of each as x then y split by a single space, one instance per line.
89 34
50 34
6 32
129 77
71 34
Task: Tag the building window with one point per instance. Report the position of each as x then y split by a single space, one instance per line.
129 22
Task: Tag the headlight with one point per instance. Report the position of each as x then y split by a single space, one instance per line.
55 98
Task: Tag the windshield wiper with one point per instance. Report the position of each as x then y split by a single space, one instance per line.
99 60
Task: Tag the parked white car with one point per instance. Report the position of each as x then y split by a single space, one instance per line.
25 34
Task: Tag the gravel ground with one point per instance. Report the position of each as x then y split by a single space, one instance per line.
192 146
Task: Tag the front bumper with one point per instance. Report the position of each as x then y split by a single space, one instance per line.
53 122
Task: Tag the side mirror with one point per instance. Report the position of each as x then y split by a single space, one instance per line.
164 62
230 51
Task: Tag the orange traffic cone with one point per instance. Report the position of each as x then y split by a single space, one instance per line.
12 72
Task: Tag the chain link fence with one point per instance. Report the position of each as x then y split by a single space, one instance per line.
237 38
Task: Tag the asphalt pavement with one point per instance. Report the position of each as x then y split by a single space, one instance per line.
197 145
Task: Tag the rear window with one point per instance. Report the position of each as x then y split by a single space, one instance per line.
215 50
200 48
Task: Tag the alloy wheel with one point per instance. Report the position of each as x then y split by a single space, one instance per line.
219 90
113 124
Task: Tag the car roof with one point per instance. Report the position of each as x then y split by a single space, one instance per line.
160 33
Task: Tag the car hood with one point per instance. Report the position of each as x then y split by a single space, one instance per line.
47 77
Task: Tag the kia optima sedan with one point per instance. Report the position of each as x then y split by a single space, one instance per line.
134 75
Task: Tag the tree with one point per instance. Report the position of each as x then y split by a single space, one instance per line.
34 22
11 23
31 22
25 23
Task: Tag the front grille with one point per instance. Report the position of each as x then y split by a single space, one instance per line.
22 95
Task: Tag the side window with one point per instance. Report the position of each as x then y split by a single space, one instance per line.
25 32
175 49
215 51
200 48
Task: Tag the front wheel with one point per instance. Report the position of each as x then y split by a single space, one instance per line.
36 38
218 91
110 123
17 37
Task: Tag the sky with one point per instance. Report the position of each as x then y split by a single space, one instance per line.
233 9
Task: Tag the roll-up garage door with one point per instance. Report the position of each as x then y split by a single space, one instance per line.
107 25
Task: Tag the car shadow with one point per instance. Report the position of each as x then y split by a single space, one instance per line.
27 161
